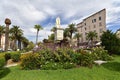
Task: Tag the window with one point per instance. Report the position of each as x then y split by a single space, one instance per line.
94 20
85 24
99 18
85 28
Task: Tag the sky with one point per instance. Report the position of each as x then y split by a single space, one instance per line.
27 13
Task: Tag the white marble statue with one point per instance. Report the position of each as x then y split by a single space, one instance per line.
58 22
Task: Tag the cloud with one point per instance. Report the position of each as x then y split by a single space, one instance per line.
27 13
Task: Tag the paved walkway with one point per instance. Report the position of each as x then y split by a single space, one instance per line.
10 65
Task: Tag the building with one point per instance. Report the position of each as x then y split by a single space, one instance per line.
95 22
3 42
118 33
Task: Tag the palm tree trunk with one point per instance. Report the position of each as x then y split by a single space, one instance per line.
37 37
14 45
19 44
7 37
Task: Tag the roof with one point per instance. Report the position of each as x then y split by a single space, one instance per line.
92 15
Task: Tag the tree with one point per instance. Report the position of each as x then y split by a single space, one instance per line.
12 39
45 40
7 22
53 29
30 46
77 36
19 38
38 28
111 42
66 33
91 36
16 34
1 33
72 29
25 42
118 33
51 37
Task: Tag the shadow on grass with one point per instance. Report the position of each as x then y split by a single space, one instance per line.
114 66
4 72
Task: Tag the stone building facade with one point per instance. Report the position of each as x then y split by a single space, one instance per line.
95 22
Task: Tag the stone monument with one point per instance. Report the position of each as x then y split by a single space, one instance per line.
59 30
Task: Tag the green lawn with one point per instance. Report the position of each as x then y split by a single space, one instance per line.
108 71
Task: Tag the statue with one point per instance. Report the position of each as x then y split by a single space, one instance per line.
58 22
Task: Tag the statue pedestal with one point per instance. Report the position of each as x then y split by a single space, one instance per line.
59 34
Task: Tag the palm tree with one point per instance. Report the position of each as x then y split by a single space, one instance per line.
7 22
1 33
12 38
25 41
38 28
66 33
91 36
53 29
51 37
19 38
72 29
77 36
16 33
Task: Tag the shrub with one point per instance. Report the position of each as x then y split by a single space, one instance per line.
2 62
51 66
7 56
111 42
47 54
54 65
30 61
15 57
60 55
100 54
62 58
68 65
75 58
86 60
83 58
64 55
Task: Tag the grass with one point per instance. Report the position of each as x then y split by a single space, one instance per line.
108 71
